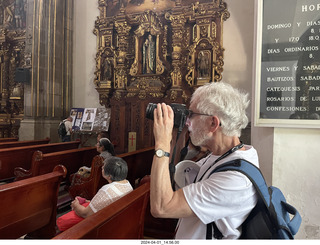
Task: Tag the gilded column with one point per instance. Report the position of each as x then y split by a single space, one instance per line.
178 20
122 29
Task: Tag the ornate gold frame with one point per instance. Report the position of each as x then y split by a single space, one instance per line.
180 33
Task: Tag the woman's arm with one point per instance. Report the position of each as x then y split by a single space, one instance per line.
80 210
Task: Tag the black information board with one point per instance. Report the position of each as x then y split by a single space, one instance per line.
289 60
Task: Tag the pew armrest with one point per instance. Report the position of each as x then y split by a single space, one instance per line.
21 173
80 186
87 187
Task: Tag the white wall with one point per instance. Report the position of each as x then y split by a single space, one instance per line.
296 171
238 44
288 157
84 93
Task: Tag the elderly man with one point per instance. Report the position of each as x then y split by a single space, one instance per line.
216 117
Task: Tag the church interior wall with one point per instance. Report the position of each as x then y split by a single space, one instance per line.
84 93
296 171
288 156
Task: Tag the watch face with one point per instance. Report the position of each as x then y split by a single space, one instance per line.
159 153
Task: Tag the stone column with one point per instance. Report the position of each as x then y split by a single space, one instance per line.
48 96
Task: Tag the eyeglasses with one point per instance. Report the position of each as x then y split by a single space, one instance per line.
191 113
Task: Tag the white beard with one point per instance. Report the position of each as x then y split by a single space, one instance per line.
198 136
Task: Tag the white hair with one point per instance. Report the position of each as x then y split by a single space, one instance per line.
227 103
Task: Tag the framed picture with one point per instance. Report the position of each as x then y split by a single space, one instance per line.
76 114
287 58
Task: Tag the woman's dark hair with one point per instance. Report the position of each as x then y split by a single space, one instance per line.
107 145
103 134
117 168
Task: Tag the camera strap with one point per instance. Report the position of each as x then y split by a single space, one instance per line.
172 167
229 152
184 150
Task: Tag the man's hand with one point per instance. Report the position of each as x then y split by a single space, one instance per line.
163 124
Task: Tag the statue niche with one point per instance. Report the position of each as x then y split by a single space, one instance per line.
149 55
147 35
106 69
204 64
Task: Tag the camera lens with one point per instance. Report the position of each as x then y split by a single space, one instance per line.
149 110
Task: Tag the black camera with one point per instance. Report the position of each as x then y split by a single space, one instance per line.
180 114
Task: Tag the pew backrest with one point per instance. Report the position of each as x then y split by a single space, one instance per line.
87 187
123 219
139 165
44 163
6 145
29 206
22 156
8 139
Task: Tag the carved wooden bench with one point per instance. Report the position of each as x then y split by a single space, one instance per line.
123 219
139 164
87 187
44 163
22 157
7 145
29 206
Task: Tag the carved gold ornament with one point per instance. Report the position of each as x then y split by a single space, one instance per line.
153 53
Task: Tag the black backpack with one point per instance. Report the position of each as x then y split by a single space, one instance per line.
270 217
62 129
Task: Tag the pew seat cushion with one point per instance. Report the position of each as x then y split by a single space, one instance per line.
69 219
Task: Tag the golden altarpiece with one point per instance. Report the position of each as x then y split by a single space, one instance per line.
154 51
12 47
35 67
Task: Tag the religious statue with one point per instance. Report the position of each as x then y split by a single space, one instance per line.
149 55
203 64
19 13
106 70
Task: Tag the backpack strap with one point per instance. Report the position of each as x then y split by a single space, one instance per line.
253 174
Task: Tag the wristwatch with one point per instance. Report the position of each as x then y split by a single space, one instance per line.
161 153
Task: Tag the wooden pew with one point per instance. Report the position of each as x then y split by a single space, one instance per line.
8 139
29 206
158 228
44 163
139 164
22 157
7 145
123 219
89 186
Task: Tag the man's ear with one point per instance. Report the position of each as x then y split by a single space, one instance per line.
215 123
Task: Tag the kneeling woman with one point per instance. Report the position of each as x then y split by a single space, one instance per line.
115 171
